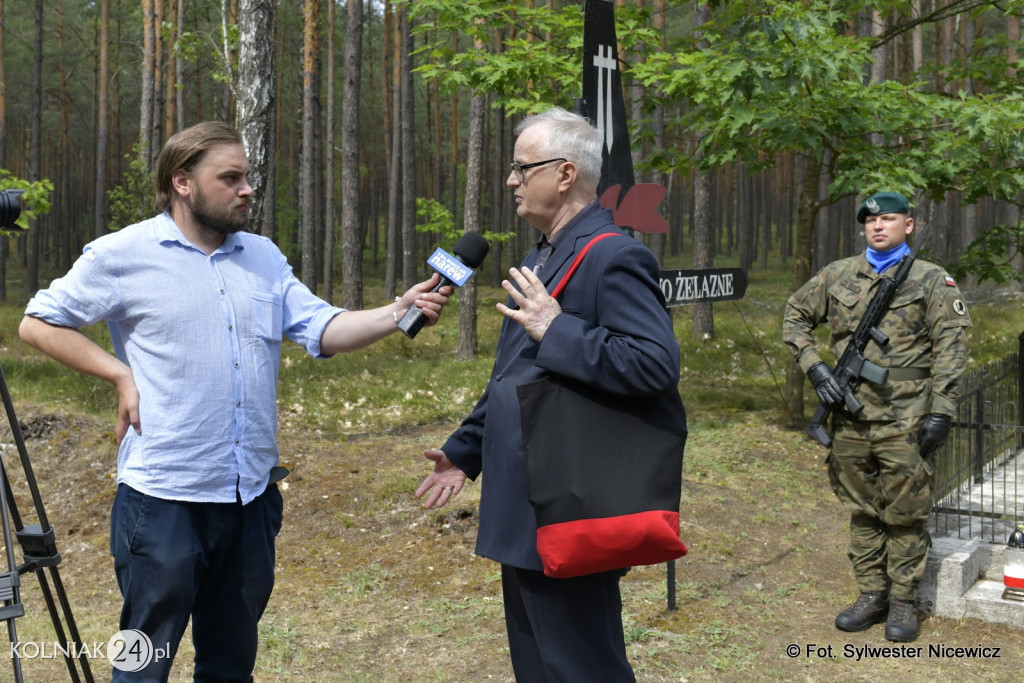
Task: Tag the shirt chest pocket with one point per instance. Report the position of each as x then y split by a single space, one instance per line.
905 317
845 309
267 315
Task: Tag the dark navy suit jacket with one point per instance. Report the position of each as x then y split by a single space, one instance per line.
614 334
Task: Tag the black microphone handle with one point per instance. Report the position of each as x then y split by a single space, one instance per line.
414 319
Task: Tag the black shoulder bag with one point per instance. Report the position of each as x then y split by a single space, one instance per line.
604 472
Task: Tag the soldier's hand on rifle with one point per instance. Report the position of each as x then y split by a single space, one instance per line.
934 432
825 384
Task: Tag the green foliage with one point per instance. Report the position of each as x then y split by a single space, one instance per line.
768 79
761 81
187 47
434 218
226 71
35 201
524 59
132 200
539 63
991 256
981 146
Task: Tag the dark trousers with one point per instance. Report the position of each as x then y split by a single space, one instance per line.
213 562
565 629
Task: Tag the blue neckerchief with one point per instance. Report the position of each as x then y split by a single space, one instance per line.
882 260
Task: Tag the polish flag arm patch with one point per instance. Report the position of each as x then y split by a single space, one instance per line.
950 282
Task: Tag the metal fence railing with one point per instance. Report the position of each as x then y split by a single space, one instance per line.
979 490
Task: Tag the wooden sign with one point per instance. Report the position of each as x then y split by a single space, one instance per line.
684 287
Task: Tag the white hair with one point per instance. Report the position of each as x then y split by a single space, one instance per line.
571 136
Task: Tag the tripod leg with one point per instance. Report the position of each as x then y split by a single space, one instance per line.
38 546
12 607
12 632
58 588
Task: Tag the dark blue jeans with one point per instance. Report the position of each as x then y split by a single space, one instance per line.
213 562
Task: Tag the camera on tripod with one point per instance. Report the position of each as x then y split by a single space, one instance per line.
10 209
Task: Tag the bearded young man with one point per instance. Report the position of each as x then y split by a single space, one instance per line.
197 309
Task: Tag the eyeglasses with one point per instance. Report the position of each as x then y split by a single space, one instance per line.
520 169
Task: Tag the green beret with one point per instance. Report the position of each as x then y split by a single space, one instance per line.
883 202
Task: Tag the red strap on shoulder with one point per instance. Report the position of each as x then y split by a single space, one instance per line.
576 263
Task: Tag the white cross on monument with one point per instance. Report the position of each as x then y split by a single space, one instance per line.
605 61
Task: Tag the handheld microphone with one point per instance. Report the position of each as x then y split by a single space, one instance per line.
455 270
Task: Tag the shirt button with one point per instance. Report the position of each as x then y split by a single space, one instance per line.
236 365
222 291
230 327
237 442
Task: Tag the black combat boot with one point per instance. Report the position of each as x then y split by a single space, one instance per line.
870 608
902 625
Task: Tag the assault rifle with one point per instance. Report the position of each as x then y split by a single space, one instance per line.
853 366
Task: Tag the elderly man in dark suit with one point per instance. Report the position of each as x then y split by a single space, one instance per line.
611 331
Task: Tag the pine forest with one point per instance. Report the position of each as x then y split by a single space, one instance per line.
767 121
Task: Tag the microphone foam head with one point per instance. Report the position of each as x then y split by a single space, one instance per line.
471 249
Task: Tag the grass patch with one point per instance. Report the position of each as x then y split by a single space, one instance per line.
400 383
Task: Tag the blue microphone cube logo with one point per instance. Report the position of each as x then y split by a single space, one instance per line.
449 266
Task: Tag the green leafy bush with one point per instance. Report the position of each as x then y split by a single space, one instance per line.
132 200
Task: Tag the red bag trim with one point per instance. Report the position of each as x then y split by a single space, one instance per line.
576 263
588 546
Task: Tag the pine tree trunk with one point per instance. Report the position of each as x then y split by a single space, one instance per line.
703 251
61 229
328 218
99 215
407 116
35 149
806 211
351 209
394 238
146 142
703 239
307 171
474 167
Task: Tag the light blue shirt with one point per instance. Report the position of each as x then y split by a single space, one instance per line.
202 335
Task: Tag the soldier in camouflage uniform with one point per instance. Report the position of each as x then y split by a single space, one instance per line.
882 461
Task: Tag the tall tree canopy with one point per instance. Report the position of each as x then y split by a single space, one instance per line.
776 115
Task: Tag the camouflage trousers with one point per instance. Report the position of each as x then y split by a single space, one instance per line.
878 474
